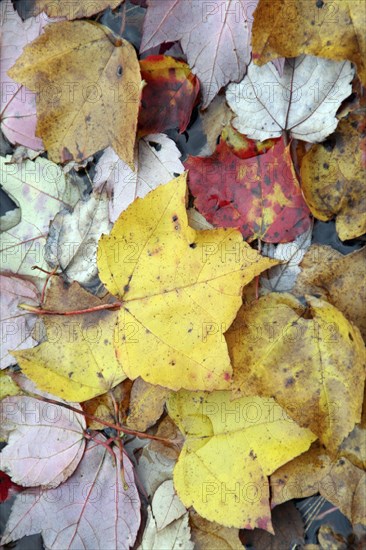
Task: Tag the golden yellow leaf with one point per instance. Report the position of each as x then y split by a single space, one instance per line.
73 10
77 362
335 30
146 405
180 290
230 449
338 481
338 279
312 361
88 90
333 179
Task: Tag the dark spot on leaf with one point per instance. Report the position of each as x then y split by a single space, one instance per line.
119 71
106 342
190 329
193 245
325 165
172 363
126 288
100 375
319 4
350 336
70 374
155 145
341 461
289 382
252 455
175 174
175 218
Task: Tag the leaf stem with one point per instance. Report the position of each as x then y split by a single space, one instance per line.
40 311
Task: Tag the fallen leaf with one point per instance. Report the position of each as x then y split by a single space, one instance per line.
336 278
322 28
230 448
288 527
168 430
72 240
77 362
45 441
7 487
304 101
18 104
225 27
197 221
260 195
152 469
209 535
354 447
71 10
169 95
16 324
214 119
41 190
338 481
166 506
158 162
180 290
146 405
242 146
333 177
311 361
282 278
88 90
329 540
92 496
174 537
7 386
103 406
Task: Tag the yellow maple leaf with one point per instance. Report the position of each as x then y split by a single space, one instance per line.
230 449
180 290
312 362
77 361
335 30
88 90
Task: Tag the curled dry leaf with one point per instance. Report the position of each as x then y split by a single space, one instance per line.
175 536
41 190
333 177
72 240
338 279
259 195
338 481
93 496
146 405
166 506
73 10
225 26
230 449
311 361
209 535
322 28
304 101
157 163
77 361
16 324
18 104
96 82
45 441
180 290
169 95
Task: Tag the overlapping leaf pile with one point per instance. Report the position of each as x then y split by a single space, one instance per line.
147 341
